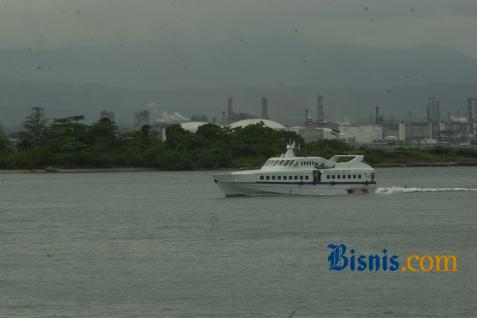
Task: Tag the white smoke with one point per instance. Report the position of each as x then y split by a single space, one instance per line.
461 120
152 105
169 119
346 122
153 109
397 189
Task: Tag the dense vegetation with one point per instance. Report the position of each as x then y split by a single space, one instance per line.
71 143
398 155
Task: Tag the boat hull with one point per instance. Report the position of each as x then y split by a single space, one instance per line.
249 188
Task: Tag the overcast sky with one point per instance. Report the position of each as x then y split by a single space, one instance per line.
233 43
45 24
225 45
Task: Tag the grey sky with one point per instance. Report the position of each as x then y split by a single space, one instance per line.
47 24
190 55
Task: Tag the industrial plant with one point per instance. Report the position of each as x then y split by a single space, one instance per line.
436 129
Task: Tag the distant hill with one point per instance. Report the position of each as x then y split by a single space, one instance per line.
286 104
126 79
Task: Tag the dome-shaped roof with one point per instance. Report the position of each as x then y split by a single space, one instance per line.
268 123
192 126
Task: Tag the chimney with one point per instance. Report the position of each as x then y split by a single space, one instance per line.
307 118
222 119
319 107
230 105
230 109
264 108
379 120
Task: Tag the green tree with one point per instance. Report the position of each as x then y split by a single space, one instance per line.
104 134
213 133
67 138
179 139
6 152
103 140
139 148
5 144
35 130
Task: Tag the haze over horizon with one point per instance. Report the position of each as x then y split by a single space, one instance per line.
190 55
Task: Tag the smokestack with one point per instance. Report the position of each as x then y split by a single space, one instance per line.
319 107
230 105
264 108
379 120
141 119
472 115
230 109
222 119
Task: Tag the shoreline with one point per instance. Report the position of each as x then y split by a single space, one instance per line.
423 164
81 170
143 169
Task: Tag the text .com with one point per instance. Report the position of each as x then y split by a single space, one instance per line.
341 258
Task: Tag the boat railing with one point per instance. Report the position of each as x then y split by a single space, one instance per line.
352 158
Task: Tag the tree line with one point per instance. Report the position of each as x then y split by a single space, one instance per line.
72 143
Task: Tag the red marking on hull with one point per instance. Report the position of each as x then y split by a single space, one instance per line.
349 191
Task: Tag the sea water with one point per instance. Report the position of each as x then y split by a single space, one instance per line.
168 244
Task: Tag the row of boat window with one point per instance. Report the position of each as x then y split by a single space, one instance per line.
288 163
284 177
329 176
344 176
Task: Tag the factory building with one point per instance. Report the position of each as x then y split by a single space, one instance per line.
354 134
455 129
314 134
420 131
472 116
433 116
320 117
361 134
199 118
233 116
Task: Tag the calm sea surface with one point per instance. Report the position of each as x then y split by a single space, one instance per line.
168 244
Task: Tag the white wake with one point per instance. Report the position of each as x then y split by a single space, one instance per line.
396 189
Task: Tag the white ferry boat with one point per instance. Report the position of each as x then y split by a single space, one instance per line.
288 174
